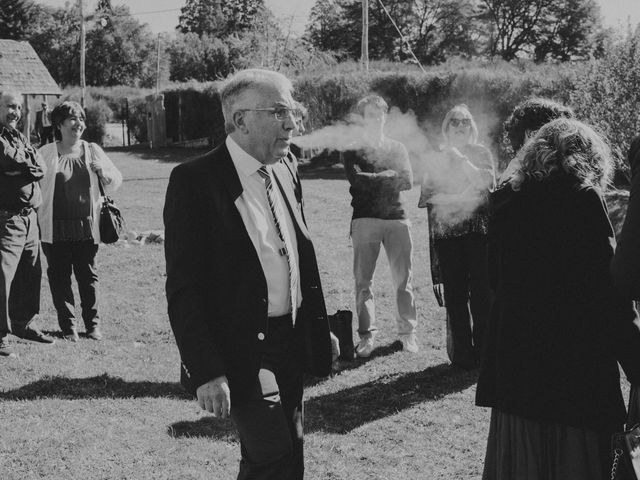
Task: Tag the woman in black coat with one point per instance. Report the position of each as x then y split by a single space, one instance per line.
557 328
626 262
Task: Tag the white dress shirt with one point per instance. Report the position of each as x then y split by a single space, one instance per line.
258 220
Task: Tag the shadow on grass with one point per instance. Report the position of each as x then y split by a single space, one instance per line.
344 365
348 409
208 427
102 386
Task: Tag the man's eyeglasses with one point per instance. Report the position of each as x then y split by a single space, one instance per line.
456 122
279 113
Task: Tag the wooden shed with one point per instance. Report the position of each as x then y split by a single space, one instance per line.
22 71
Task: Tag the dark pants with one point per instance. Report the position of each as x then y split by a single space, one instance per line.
20 272
62 259
465 273
46 135
270 424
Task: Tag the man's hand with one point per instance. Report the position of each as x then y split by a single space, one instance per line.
214 397
335 347
389 173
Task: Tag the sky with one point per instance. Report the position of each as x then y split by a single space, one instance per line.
162 15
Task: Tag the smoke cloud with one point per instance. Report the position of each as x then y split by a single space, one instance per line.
429 165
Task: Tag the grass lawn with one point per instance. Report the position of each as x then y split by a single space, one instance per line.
114 410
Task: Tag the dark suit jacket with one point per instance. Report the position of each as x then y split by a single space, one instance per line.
216 288
38 124
557 326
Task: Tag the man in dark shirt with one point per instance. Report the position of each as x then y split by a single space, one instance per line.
379 172
20 269
43 125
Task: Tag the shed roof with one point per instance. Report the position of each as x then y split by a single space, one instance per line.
22 70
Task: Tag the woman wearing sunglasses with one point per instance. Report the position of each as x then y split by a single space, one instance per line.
455 191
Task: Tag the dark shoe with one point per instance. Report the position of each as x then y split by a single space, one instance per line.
36 335
71 335
6 350
94 333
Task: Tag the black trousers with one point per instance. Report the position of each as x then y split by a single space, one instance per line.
46 135
20 272
465 273
270 424
63 258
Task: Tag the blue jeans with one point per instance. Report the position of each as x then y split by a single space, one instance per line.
20 272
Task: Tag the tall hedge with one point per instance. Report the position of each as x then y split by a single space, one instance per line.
491 91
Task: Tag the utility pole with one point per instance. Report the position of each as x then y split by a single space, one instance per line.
158 68
365 35
83 35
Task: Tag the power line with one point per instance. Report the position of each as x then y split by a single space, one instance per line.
402 37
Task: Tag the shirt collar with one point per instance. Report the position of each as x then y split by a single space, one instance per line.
245 163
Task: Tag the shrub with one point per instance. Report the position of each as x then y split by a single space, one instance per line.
98 114
608 96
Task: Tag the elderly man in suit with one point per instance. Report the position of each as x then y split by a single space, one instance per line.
243 288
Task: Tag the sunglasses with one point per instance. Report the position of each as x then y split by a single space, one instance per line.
456 122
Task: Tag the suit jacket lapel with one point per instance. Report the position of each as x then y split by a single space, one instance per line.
228 172
285 184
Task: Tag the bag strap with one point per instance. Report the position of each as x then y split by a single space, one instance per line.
93 155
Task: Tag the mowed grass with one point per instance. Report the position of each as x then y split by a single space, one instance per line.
114 410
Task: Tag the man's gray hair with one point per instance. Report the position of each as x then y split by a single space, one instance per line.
245 80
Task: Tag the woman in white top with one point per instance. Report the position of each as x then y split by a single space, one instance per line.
69 216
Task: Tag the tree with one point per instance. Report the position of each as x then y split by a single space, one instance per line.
328 29
15 18
120 52
202 17
571 29
442 28
513 24
218 18
434 29
54 34
200 58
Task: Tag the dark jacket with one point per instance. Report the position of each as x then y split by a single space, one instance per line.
376 194
19 171
216 289
626 262
557 327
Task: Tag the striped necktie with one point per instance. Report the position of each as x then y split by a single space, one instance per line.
286 250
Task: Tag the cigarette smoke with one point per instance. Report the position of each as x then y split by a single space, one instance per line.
426 162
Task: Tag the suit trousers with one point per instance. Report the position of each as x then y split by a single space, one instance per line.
367 235
62 259
465 274
270 424
20 272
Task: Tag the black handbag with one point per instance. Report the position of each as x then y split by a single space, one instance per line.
625 446
340 325
111 220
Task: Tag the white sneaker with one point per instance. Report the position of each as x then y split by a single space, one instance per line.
409 343
365 347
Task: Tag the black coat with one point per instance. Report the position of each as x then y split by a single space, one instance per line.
557 327
626 262
216 289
